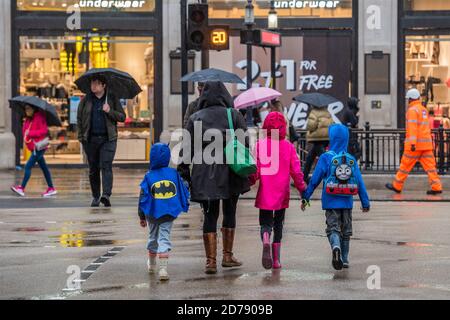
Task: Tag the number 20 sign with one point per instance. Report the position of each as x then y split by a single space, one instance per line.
219 38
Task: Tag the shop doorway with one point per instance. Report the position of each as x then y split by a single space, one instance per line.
50 65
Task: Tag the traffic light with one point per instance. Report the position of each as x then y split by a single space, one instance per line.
198 29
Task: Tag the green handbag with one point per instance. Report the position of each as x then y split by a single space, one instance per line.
238 157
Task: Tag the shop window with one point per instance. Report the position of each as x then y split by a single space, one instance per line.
235 9
86 5
175 72
49 67
426 5
378 70
427 68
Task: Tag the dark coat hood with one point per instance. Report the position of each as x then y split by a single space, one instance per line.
215 94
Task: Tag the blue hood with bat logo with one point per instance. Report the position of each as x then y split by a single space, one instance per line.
163 192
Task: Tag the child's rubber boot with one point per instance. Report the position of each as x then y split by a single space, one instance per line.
335 242
345 253
276 255
151 263
266 257
163 264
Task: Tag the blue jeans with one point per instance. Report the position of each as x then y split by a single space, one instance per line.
37 157
159 237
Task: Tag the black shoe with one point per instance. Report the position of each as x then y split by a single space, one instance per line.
106 202
346 265
95 203
337 259
433 193
391 187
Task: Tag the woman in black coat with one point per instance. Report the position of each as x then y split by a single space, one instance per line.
211 183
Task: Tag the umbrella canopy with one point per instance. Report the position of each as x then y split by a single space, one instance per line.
255 96
18 104
212 75
319 100
119 83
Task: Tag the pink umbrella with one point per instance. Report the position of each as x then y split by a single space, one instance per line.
255 96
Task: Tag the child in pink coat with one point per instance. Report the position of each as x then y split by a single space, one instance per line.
277 163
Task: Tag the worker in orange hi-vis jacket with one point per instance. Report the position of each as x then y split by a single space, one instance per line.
418 146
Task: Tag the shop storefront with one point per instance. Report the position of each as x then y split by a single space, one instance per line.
48 58
425 56
318 53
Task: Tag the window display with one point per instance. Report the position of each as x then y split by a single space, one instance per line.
428 69
49 67
426 5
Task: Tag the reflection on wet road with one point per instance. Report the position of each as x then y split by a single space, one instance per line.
37 245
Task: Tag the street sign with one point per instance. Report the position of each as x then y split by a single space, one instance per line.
261 38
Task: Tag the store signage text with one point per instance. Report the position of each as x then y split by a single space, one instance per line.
295 4
119 4
308 82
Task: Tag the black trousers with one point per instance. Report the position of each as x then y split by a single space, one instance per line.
317 150
211 210
100 153
272 220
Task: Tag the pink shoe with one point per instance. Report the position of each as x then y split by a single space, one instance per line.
19 190
50 192
266 258
276 250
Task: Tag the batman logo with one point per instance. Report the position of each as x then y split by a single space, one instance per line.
164 189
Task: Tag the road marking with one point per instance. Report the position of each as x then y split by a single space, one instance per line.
93 267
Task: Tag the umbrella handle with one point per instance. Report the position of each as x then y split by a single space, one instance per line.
106 101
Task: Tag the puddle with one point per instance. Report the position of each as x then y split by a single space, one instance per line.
288 276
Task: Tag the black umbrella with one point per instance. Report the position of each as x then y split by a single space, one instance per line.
18 104
121 84
319 100
212 75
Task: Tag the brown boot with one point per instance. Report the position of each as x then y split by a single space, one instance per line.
210 242
229 261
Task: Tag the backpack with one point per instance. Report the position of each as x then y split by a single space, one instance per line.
342 180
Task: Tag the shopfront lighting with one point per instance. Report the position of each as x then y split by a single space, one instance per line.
273 16
249 13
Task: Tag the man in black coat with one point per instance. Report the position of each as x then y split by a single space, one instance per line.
98 114
212 183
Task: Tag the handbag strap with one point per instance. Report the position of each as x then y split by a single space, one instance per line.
230 124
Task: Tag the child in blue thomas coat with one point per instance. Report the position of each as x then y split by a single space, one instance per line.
338 208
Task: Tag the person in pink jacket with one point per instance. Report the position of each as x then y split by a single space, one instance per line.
277 162
35 129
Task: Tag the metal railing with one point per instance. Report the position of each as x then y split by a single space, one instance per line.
380 151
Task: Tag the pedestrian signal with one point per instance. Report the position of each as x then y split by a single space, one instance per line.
219 38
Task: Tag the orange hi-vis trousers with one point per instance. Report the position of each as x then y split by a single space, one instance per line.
428 162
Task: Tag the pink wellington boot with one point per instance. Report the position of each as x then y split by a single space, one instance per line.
276 251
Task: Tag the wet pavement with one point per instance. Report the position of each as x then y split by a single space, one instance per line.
408 241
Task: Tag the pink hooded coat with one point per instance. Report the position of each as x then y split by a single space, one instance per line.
277 163
37 129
